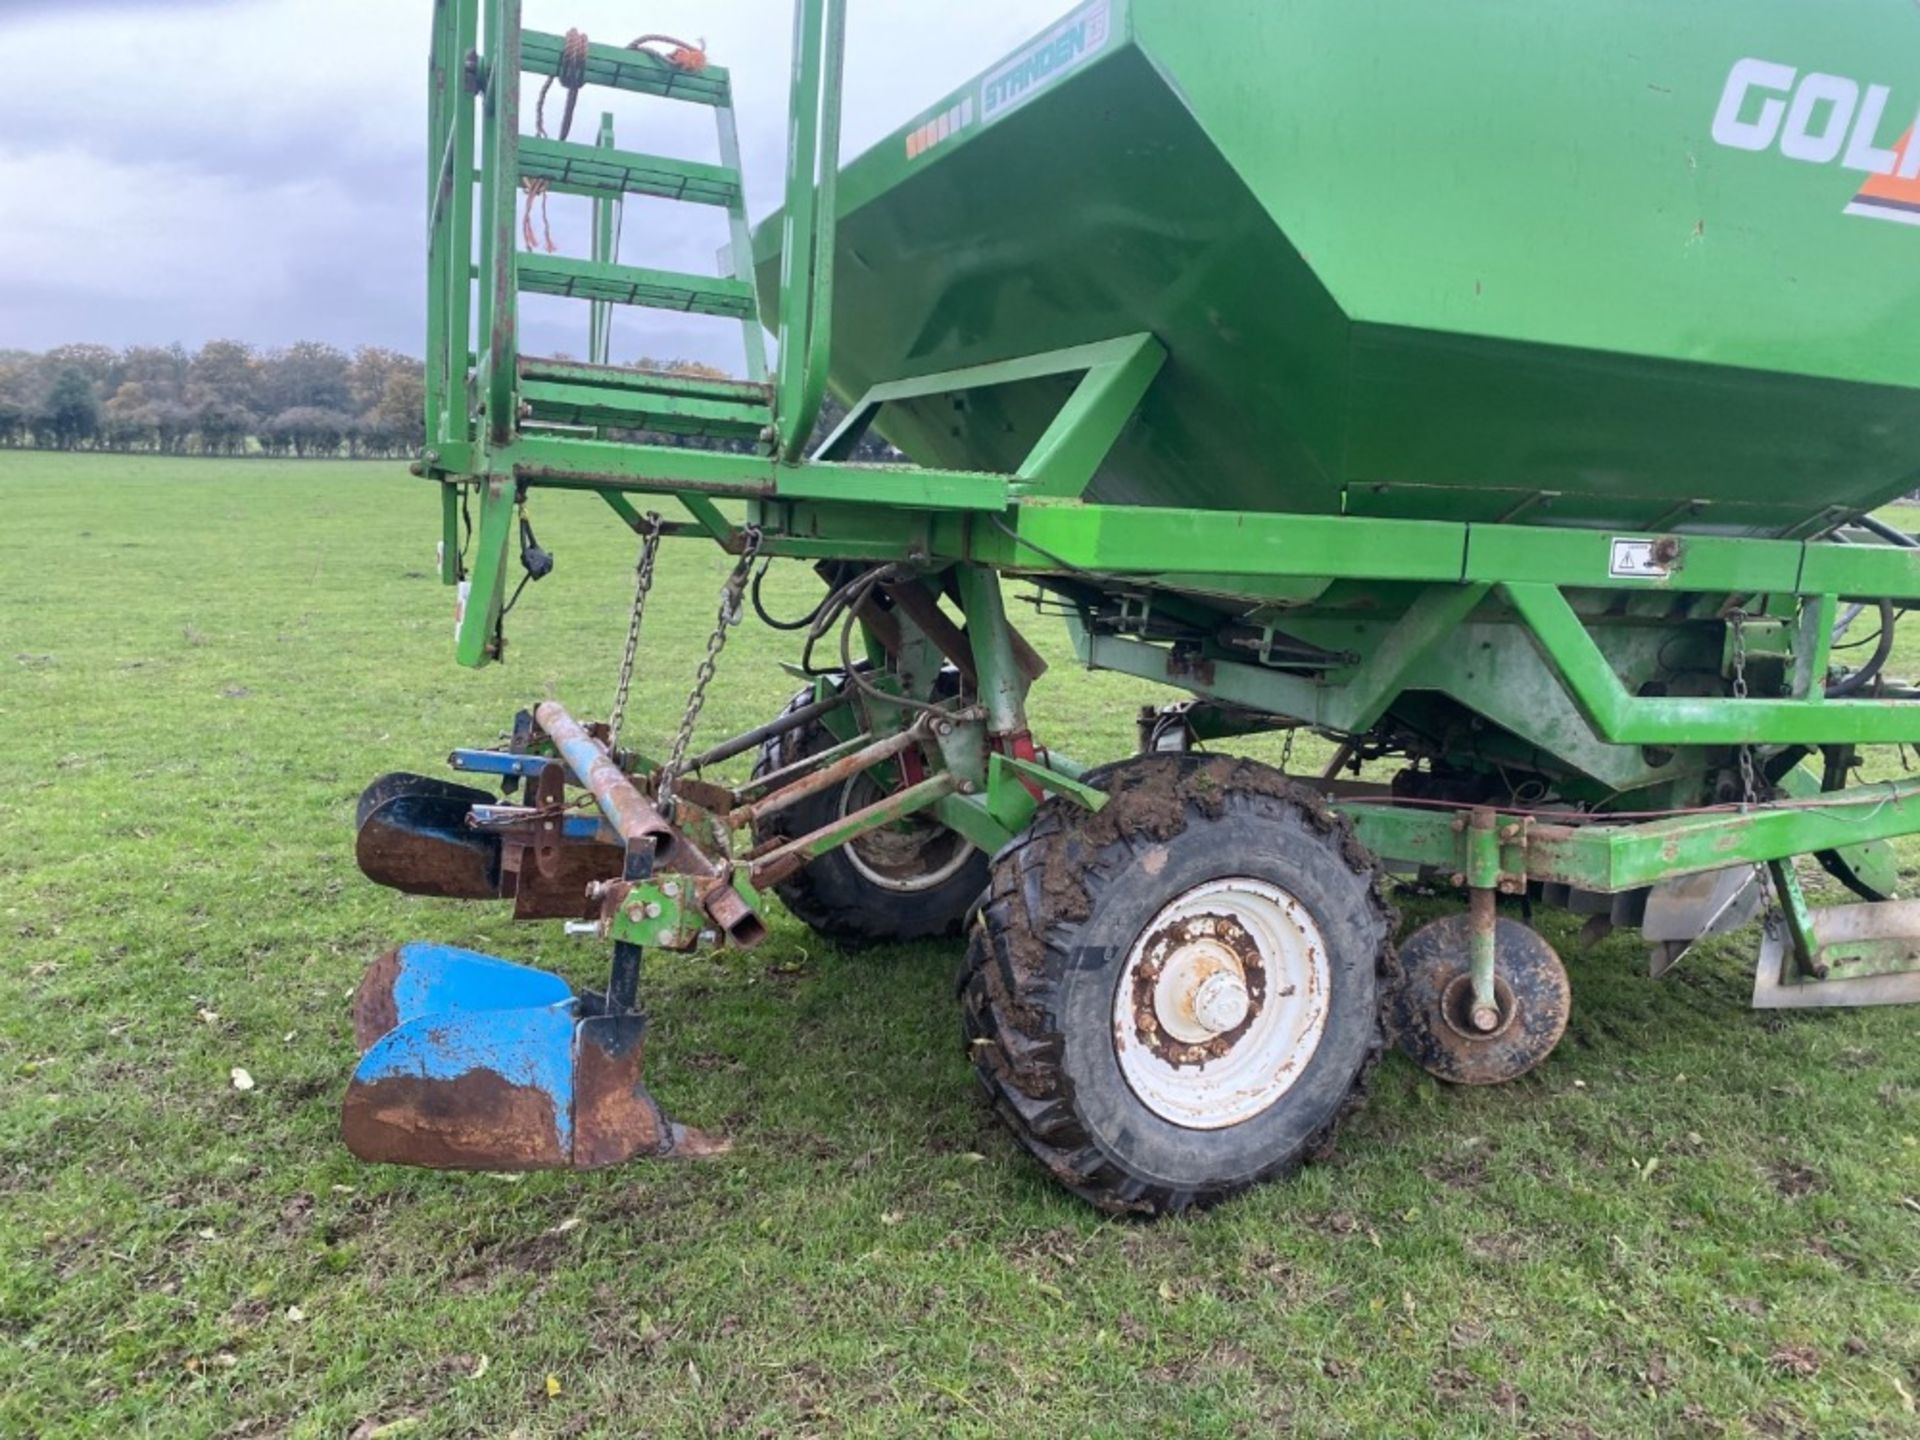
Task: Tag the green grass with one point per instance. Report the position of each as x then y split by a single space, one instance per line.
1694 1220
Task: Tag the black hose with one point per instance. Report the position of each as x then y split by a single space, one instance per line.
1887 533
1869 672
772 622
858 593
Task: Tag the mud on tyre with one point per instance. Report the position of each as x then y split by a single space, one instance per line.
1179 998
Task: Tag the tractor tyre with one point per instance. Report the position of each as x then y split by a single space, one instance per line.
1181 997
916 880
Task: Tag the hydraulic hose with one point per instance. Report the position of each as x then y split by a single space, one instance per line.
1882 652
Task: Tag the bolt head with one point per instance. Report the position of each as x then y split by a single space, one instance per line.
1486 1019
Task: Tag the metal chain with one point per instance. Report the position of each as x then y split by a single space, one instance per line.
1749 783
1286 751
642 584
732 599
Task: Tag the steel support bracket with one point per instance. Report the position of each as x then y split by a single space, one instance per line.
1011 783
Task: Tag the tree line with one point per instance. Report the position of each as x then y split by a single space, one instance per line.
309 400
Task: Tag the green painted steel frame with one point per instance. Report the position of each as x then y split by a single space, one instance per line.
1062 464
813 176
1033 522
1609 858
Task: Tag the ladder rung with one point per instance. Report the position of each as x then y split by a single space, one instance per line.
636 70
594 170
628 285
639 410
654 382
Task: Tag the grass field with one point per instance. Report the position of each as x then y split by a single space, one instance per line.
1693 1221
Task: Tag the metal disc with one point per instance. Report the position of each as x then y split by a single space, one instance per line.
1433 1008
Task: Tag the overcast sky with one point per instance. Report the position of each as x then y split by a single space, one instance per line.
193 169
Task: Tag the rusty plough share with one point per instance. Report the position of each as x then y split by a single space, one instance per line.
1560 545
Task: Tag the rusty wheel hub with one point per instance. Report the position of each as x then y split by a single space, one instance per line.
1222 1003
1434 1011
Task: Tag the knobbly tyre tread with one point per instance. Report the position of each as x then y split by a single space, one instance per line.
877 917
1017 952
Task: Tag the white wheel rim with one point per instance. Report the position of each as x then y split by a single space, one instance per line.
1222 1004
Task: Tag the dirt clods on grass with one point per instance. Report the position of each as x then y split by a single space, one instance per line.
1802 1362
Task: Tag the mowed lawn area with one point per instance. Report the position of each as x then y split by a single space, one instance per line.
1692 1221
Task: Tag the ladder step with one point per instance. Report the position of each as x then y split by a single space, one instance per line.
568 392
596 405
639 71
657 382
596 171
628 285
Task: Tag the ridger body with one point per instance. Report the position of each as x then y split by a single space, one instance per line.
1280 348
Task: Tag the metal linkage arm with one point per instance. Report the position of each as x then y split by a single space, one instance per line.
646 833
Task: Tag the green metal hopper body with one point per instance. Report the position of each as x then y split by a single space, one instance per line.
1622 265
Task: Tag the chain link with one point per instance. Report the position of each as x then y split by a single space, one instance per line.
1749 782
1286 751
642 585
732 599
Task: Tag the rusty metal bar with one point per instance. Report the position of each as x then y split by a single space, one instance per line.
765 784
922 607
776 865
1483 850
753 739
636 821
828 776
631 814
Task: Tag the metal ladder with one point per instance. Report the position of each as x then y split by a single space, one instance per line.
599 395
517 393
499 422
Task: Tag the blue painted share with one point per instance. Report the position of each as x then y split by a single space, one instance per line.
442 980
530 1047
498 762
582 828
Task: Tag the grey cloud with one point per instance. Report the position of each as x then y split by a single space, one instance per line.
276 151
28 9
